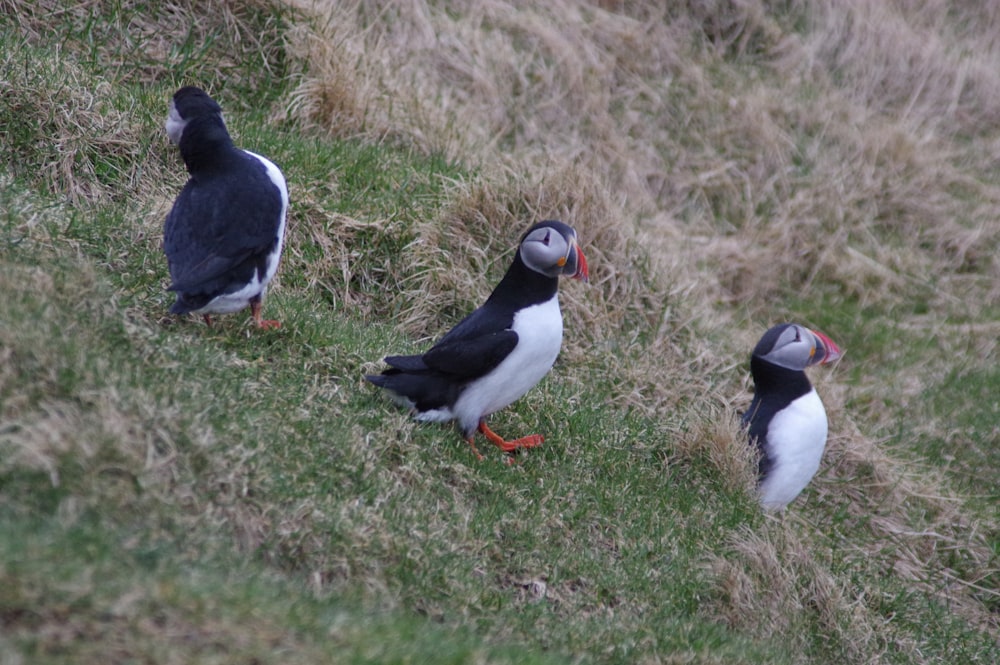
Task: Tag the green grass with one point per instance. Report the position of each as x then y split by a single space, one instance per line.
171 492
83 592
355 512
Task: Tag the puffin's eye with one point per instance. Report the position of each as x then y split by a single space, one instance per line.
545 240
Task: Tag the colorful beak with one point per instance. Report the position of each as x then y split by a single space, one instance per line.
826 349
576 263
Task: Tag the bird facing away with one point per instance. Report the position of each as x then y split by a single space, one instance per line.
224 234
786 419
498 352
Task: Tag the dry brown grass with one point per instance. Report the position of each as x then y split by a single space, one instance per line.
98 151
614 95
720 440
771 583
87 132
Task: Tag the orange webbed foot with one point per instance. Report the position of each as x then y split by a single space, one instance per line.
259 320
529 441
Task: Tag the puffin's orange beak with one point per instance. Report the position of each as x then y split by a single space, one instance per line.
826 349
581 263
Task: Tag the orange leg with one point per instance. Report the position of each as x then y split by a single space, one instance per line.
258 319
475 451
529 441
208 320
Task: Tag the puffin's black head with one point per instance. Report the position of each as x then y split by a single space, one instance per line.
795 347
189 104
550 248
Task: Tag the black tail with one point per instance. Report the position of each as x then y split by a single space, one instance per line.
380 380
187 303
427 391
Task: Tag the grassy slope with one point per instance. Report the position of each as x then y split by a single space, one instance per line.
174 493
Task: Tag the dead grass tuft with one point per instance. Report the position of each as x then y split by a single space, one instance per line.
351 84
121 441
75 130
806 186
66 128
334 95
919 530
772 585
458 257
721 441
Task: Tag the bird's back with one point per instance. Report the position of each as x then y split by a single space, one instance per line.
223 225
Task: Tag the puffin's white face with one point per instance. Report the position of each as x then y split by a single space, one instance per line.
796 347
551 253
174 124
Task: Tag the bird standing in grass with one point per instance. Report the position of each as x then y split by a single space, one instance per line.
498 352
224 234
786 419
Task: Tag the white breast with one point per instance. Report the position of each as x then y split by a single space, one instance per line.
795 441
539 331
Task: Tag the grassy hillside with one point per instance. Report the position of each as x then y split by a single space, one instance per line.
171 492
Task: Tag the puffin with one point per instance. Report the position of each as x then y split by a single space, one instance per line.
501 350
786 419
224 235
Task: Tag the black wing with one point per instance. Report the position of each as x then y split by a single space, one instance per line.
471 358
437 378
220 224
462 360
756 421
476 345
468 351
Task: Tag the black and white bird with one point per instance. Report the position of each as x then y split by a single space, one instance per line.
224 234
786 419
498 352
